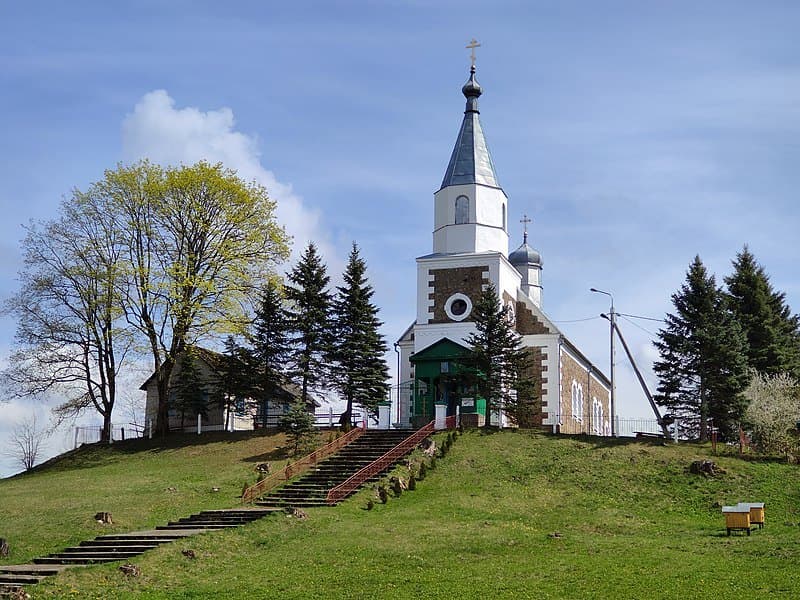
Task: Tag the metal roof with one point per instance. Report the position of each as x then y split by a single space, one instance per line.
471 161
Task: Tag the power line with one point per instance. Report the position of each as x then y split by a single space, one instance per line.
647 331
641 317
577 320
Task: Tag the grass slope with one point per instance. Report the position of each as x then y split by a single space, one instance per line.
633 524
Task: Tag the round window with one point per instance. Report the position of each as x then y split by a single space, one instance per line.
458 307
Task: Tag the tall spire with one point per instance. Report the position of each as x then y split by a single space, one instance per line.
471 161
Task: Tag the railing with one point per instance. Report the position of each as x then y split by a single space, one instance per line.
90 434
258 488
382 463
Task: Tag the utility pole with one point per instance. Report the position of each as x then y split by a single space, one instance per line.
612 321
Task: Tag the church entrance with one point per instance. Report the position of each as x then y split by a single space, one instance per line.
440 378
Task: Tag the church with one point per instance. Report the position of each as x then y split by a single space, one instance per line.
470 250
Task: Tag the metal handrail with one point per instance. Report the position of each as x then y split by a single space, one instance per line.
356 480
299 466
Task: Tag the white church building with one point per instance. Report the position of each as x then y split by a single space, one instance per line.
470 250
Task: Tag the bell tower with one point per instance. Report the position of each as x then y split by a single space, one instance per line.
470 208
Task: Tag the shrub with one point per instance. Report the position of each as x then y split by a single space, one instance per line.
774 412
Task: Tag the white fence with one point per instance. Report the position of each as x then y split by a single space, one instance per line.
90 434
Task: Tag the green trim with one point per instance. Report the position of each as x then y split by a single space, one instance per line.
439 379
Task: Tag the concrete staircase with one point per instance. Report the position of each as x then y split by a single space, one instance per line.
312 488
122 546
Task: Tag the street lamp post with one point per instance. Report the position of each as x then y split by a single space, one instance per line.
611 320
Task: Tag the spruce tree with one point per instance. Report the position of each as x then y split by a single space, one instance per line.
235 382
190 393
298 424
770 328
703 366
308 317
497 366
270 349
360 370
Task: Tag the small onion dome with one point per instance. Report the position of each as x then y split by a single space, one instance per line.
472 89
524 256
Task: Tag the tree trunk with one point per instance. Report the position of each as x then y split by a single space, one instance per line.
703 414
106 433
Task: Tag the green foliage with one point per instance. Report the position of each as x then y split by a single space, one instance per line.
360 370
173 255
703 365
71 337
309 321
771 330
190 388
773 413
270 349
498 365
298 424
235 378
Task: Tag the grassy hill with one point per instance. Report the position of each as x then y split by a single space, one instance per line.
632 523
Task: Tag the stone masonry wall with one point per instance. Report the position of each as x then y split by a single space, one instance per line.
572 370
527 322
446 282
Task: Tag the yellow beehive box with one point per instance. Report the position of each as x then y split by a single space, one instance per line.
756 512
737 517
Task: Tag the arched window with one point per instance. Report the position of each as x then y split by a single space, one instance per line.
462 210
577 401
597 416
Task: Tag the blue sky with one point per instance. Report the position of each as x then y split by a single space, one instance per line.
635 134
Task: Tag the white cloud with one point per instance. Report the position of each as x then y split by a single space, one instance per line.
164 134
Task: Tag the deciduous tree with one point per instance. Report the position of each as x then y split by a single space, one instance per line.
773 413
25 443
71 335
198 242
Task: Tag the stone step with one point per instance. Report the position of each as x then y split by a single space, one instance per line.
150 542
295 504
32 569
215 520
153 534
19 579
77 560
196 527
139 548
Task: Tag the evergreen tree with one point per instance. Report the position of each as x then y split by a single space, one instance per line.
771 330
498 364
235 379
309 323
703 366
361 372
298 424
191 395
270 348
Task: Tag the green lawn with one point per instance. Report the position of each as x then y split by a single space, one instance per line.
633 523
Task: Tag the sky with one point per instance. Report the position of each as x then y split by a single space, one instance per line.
634 134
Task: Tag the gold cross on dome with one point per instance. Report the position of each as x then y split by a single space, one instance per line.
473 43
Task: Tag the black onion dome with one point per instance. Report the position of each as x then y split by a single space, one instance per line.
472 89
